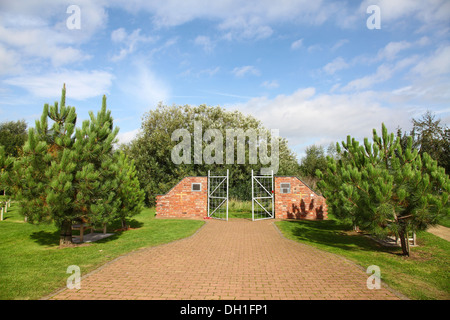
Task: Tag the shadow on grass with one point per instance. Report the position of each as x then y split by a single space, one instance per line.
335 234
133 224
46 238
51 239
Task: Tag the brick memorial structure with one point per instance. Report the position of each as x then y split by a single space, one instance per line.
293 200
188 199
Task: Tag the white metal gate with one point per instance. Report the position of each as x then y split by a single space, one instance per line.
218 196
262 197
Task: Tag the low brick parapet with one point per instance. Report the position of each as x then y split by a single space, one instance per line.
183 202
301 202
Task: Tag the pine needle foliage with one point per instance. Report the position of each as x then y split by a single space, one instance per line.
384 188
70 174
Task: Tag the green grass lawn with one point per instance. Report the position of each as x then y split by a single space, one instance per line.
239 209
32 265
243 210
445 222
424 275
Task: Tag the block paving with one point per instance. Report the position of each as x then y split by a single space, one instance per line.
228 260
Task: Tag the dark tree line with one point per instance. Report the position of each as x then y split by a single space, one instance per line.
13 135
431 137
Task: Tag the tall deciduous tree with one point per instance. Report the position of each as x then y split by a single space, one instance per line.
13 135
431 137
152 149
446 151
386 188
313 160
429 132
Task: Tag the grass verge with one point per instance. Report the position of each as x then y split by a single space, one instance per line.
425 275
32 265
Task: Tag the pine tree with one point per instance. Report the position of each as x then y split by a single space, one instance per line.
97 181
128 191
385 188
67 173
61 172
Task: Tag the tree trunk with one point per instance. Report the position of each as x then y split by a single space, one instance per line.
65 236
124 224
404 242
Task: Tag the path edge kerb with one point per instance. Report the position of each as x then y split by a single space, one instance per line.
58 291
383 284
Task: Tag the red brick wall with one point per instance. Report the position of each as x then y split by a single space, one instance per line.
182 202
300 203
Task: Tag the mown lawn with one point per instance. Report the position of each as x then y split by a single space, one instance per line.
424 275
32 265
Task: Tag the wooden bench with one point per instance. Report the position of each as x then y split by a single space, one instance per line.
82 227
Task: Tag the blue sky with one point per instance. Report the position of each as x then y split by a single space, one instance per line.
312 69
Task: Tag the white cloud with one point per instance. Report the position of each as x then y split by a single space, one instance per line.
297 44
270 84
390 51
335 65
52 15
435 65
384 72
429 79
142 87
42 44
9 63
37 34
391 64
428 14
243 28
314 48
127 137
251 19
339 44
209 71
305 117
118 35
242 71
80 85
192 73
205 42
130 41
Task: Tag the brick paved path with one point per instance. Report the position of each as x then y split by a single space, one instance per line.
238 259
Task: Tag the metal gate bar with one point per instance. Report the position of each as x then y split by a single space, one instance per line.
262 197
218 196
